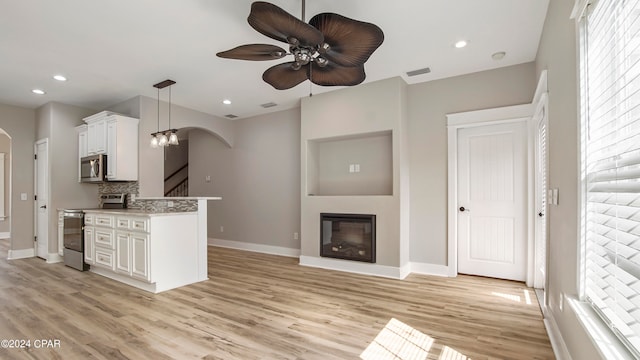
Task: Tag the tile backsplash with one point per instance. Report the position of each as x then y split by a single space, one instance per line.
132 187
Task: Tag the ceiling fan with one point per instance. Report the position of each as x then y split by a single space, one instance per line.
329 51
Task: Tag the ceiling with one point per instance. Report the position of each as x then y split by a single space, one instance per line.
113 50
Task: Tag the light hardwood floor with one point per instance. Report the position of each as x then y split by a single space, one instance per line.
258 306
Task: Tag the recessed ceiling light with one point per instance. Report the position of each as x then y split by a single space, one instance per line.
226 102
59 77
499 55
38 91
460 44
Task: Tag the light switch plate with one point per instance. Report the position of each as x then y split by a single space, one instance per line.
23 196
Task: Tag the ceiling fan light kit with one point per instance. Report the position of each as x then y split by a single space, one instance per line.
329 51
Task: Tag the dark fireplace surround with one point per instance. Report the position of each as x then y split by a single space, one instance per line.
348 236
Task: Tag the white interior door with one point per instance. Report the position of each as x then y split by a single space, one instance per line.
541 169
492 200
42 198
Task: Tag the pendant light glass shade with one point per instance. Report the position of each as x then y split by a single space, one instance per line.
163 141
154 142
173 138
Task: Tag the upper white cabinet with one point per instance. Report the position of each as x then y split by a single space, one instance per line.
116 136
83 133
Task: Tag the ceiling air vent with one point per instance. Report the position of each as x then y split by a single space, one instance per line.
419 72
231 116
268 105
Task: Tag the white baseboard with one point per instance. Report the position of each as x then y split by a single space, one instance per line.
266 249
53 258
354 267
21 254
555 337
429 269
5 235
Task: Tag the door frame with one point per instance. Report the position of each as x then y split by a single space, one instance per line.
455 122
35 192
541 104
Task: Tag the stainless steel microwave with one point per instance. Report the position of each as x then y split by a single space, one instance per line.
93 168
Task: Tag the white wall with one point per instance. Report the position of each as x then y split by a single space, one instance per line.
258 179
428 104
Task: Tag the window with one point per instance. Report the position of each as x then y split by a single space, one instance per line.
610 86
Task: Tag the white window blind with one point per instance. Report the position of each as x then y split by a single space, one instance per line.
611 162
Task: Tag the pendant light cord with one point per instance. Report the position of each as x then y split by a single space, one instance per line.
158 124
169 107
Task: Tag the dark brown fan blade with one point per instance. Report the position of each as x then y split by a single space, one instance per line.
336 75
282 76
278 24
256 52
351 41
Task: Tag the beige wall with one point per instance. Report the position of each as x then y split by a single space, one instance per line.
558 55
57 122
258 179
20 124
151 161
428 104
370 108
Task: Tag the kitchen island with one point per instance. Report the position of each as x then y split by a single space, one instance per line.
158 245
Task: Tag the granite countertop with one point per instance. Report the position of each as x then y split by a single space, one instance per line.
137 212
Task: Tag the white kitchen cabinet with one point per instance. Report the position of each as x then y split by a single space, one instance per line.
123 252
132 241
89 250
122 148
97 137
140 256
116 136
153 252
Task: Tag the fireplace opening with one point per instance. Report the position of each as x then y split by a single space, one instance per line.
348 236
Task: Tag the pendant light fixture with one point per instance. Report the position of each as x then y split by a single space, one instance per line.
165 137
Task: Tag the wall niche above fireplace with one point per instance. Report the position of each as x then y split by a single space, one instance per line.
348 236
359 164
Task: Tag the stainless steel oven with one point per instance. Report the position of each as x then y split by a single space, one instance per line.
73 239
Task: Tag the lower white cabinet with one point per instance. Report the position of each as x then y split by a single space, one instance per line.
132 254
154 252
140 256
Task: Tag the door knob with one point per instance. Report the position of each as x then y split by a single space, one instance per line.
43 207
540 214
462 208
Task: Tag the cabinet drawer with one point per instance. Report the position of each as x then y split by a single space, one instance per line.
140 225
133 223
104 258
123 223
89 219
104 238
104 220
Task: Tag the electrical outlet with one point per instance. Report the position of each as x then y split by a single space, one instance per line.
23 196
357 167
221 228
170 203
295 236
352 168
207 178
132 197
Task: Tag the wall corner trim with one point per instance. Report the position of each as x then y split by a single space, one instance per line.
21 254
53 258
430 269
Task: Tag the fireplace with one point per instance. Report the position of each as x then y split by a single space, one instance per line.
348 236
